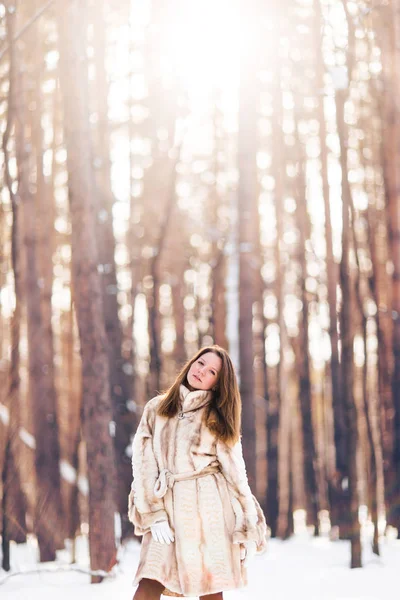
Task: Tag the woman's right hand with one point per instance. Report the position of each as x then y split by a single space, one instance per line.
162 532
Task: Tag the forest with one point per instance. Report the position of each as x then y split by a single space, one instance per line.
178 174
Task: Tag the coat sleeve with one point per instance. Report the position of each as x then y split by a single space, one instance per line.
250 520
144 509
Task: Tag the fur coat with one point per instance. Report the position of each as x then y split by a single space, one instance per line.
184 474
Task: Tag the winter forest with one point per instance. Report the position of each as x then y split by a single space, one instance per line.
177 174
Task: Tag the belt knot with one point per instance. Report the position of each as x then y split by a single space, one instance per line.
165 480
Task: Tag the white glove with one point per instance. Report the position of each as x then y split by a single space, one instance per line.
247 551
162 532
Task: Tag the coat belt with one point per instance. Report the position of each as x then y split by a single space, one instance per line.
166 479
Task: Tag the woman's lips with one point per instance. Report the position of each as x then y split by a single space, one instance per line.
195 376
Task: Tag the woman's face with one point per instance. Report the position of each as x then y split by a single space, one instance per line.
203 373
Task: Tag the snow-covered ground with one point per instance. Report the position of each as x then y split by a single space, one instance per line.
303 568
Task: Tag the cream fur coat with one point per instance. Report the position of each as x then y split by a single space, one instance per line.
210 515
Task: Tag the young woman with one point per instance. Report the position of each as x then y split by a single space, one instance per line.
190 496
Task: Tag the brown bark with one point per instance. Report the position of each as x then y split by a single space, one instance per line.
177 289
394 493
134 235
41 387
13 496
247 199
389 140
69 378
218 311
217 261
340 504
347 339
44 220
121 381
371 451
260 318
41 392
70 424
14 499
274 398
310 459
391 423
155 273
177 281
378 284
159 179
97 409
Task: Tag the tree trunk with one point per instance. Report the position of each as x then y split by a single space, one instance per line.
394 239
217 262
339 508
97 409
394 236
371 450
310 460
41 390
13 496
274 398
247 206
390 135
155 272
347 339
178 293
121 381
71 425
43 213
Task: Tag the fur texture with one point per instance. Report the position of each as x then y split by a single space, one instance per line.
210 515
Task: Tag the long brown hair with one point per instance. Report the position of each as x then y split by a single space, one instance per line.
223 416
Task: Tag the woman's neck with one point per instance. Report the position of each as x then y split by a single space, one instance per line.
189 387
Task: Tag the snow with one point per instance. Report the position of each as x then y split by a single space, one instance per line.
27 438
67 471
4 414
303 568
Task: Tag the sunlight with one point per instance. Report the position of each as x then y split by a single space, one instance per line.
204 46
200 48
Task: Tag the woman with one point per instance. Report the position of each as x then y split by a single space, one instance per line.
190 497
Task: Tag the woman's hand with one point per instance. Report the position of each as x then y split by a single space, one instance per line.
247 552
162 532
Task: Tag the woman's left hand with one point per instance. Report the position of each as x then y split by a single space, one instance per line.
162 532
247 551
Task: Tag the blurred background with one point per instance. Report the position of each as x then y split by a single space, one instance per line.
176 174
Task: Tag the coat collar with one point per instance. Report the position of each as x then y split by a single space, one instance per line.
195 399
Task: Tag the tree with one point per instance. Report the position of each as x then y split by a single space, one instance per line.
338 506
97 410
347 339
247 197
121 382
304 367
